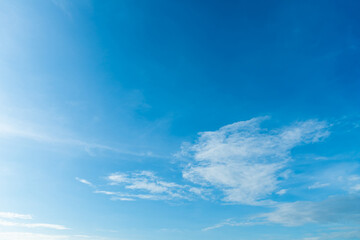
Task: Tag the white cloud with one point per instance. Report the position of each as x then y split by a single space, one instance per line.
230 222
245 161
84 181
354 178
121 196
318 185
338 235
32 225
117 178
281 192
11 215
146 185
342 235
144 180
339 176
354 183
106 192
356 187
17 216
333 210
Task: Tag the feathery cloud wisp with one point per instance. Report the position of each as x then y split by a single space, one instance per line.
17 216
11 215
84 181
146 185
32 225
334 210
29 132
331 210
318 185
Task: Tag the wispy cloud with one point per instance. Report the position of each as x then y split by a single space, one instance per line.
319 185
281 192
245 161
32 225
17 216
355 188
146 185
11 215
84 181
337 235
12 129
334 210
341 177
354 183
230 222
343 209
144 180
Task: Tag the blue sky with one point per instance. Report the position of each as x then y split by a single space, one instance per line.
154 120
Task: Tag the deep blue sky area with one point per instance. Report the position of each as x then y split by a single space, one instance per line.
154 120
196 60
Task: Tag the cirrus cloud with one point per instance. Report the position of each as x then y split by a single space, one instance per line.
246 161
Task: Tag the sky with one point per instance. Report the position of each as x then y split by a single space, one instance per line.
192 119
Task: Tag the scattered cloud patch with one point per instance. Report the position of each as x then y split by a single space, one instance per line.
144 180
17 216
354 178
354 183
146 185
281 192
337 235
343 209
334 211
356 187
339 177
318 185
247 162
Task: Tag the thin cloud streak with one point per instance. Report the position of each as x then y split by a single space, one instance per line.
17 216
26 132
334 210
84 181
230 222
32 225
318 185
11 215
